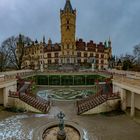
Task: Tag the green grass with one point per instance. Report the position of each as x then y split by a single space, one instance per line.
15 109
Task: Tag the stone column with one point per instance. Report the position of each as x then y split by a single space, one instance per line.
113 88
41 68
93 67
123 100
5 96
132 113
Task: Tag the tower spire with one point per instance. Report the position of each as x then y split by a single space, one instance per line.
44 39
109 42
68 6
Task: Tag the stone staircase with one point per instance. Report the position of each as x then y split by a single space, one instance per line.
38 103
94 101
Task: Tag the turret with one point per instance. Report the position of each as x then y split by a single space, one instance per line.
109 43
20 42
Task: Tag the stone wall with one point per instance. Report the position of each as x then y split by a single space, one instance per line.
20 104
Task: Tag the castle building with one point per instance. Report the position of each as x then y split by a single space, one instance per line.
70 51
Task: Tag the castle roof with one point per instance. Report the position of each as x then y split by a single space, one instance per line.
52 47
68 6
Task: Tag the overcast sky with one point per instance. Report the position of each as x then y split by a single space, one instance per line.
96 20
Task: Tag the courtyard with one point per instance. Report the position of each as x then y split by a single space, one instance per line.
17 126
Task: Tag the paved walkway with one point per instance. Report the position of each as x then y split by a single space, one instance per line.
100 127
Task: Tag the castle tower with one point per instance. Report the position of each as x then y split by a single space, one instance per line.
68 29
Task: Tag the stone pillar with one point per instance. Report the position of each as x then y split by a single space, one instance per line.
41 68
64 60
132 113
12 87
93 67
113 88
5 96
70 60
123 100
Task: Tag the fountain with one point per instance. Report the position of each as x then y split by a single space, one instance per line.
61 135
61 131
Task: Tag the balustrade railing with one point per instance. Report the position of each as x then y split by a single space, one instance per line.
8 76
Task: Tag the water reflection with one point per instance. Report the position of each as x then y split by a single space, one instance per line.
11 129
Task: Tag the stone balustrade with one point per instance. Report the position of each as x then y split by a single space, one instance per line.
12 75
128 74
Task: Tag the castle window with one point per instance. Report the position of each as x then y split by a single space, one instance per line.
67 21
85 60
49 55
79 61
49 61
79 54
91 54
68 28
56 61
68 46
97 55
102 56
56 55
85 54
102 61
97 61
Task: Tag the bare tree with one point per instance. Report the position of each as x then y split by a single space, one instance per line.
15 47
3 59
136 52
128 61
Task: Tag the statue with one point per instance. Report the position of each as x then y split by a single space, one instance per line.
61 133
61 116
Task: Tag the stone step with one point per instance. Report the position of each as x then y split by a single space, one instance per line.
92 102
36 103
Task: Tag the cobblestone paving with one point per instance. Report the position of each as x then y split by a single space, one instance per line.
100 127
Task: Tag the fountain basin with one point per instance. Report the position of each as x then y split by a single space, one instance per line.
51 133
50 130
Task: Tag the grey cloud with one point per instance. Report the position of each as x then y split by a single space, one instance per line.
96 20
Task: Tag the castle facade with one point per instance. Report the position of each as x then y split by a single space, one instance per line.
70 51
